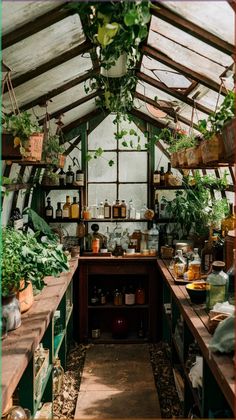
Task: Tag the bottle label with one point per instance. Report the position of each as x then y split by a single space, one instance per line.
69 179
66 213
107 212
58 213
115 211
80 179
123 211
156 178
49 213
129 298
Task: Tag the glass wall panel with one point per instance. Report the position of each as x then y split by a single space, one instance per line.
99 169
133 167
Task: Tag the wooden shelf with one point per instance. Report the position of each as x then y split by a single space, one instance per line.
212 165
60 187
58 220
115 220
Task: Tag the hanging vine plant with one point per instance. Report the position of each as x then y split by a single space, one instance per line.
115 28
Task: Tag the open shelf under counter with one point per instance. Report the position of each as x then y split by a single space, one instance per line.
108 338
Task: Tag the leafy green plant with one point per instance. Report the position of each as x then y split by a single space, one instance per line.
25 256
52 148
177 139
22 127
216 120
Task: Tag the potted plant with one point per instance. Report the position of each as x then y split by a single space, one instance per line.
53 151
218 132
27 135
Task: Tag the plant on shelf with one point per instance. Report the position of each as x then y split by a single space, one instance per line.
52 150
28 134
11 261
115 29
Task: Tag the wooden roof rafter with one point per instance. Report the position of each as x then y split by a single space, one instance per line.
56 61
186 71
41 22
164 13
82 120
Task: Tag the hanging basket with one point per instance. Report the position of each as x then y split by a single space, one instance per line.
228 134
212 150
33 147
118 70
182 157
193 155
174 160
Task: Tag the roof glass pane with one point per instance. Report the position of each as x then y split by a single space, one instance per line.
206 97
79 111
51 42
164 74
215 16
17 13
187 50
48 81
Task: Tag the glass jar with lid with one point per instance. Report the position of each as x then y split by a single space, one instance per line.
179 264
216 285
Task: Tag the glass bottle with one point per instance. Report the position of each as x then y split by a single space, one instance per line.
179 264
94 300
207 257
74 209
69 176
123 209
100 214
195 265
79 177
229 223
62 178
107 210
156 177
168 175
129 295
49 210
156 206
216 284
59 211
118 300
66 212
140 295
231 281
131 210
116 210
162 176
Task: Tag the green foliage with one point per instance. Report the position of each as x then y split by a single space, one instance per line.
177 139
25 256
21 125
52 148
217 120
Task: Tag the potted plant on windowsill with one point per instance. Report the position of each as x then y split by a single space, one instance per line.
27 135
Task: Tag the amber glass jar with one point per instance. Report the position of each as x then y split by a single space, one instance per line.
139 296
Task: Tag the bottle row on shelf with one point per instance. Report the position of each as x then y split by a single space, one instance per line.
162 178
70 178
129 295
66 211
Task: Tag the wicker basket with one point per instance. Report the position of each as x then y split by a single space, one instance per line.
193 155
228 135
212 150
174 160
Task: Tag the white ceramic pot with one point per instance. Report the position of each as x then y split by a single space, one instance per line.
118 70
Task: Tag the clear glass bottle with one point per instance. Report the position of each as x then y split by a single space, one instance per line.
66 213
49 210
74 209
195 265
216 285
131 210
69 176
179 264
231 281
100 211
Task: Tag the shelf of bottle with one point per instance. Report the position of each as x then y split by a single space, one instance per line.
115 220
109 339
159 220
112 306
60 187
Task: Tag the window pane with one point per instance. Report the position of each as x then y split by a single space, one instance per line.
104 135
138 193
99 170
133 167
99 192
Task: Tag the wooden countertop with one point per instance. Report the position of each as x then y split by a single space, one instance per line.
18 346
196 317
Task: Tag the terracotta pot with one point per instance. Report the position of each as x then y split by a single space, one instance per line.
228 135
25 296
11 311
61 160
34 147
193 155
182 157
212 150
174 159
